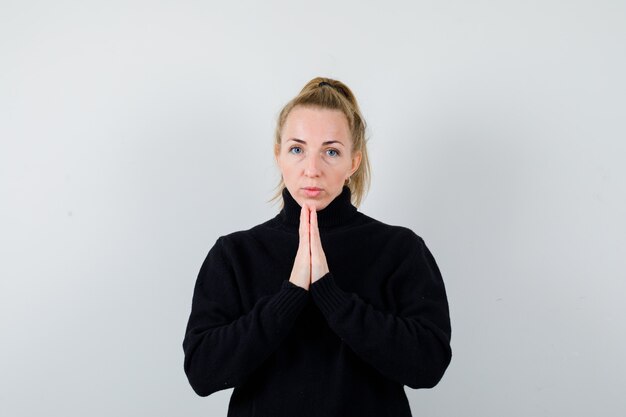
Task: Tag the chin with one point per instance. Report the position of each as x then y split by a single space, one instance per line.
319 205
311 202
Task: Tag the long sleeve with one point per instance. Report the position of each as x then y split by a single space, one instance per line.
411 344
224 344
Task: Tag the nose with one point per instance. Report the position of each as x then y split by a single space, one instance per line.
312 166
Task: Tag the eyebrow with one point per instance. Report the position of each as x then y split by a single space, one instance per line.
328 142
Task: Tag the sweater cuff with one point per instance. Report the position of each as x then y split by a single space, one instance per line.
327 295
290 299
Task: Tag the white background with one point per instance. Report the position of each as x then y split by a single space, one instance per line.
133 134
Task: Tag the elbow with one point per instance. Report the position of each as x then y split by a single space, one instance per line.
200 390
204 386
199 372
430 373
426 380
205 380
198 384
199 377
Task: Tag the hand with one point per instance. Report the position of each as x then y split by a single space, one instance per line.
319 266
301 272
310 263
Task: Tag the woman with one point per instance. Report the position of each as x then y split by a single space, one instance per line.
322 310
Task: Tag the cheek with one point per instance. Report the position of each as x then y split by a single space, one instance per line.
287 170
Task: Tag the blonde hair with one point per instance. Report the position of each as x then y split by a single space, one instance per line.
326 93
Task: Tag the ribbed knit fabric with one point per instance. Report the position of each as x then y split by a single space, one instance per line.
377 321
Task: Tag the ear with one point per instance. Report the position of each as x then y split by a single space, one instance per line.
277 153
356 161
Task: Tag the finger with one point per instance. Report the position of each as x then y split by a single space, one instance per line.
315 235
314 230
306 243
304 226
302 221
319 266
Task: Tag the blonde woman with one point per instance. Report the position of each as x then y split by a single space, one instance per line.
322 310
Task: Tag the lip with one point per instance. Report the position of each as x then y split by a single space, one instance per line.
312 191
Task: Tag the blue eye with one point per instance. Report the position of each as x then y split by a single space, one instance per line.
295 147
335 151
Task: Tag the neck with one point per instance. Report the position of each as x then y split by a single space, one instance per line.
338 212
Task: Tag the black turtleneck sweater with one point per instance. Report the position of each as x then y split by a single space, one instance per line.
376 322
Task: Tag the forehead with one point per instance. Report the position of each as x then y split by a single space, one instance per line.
316 125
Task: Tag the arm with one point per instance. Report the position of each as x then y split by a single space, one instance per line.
222 345
411 345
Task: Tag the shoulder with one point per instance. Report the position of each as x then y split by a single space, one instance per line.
245 237
396 233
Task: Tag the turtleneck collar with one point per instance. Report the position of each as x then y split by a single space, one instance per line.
336 213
